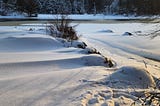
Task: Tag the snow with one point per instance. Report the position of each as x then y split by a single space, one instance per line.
106 31
38 70
77 17
28 44
13 17
94 60
85 17
131 77
117 44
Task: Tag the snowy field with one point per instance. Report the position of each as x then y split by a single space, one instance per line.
38 70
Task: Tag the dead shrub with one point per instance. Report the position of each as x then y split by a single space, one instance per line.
62 28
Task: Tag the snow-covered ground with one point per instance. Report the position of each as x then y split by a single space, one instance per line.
138 47
38 70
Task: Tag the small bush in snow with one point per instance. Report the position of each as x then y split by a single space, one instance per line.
62 28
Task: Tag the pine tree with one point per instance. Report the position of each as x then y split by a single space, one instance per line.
28 6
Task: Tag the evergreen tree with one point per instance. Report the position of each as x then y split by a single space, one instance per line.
139 7
28 6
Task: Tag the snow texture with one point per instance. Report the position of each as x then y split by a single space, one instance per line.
38 70
131 77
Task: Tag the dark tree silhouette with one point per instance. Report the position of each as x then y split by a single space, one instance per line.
28 6
139 7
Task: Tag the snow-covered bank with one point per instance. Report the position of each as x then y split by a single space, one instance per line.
81 17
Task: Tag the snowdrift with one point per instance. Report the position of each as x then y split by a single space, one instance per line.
131 77
28 44
94 60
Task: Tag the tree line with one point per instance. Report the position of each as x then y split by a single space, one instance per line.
137 7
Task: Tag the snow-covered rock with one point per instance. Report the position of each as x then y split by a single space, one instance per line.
78 44
106 31
127 34
90 50
75 43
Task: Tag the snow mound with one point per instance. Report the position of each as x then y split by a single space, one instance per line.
131 77
28 44
106 31
127 34
95 60
74 43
